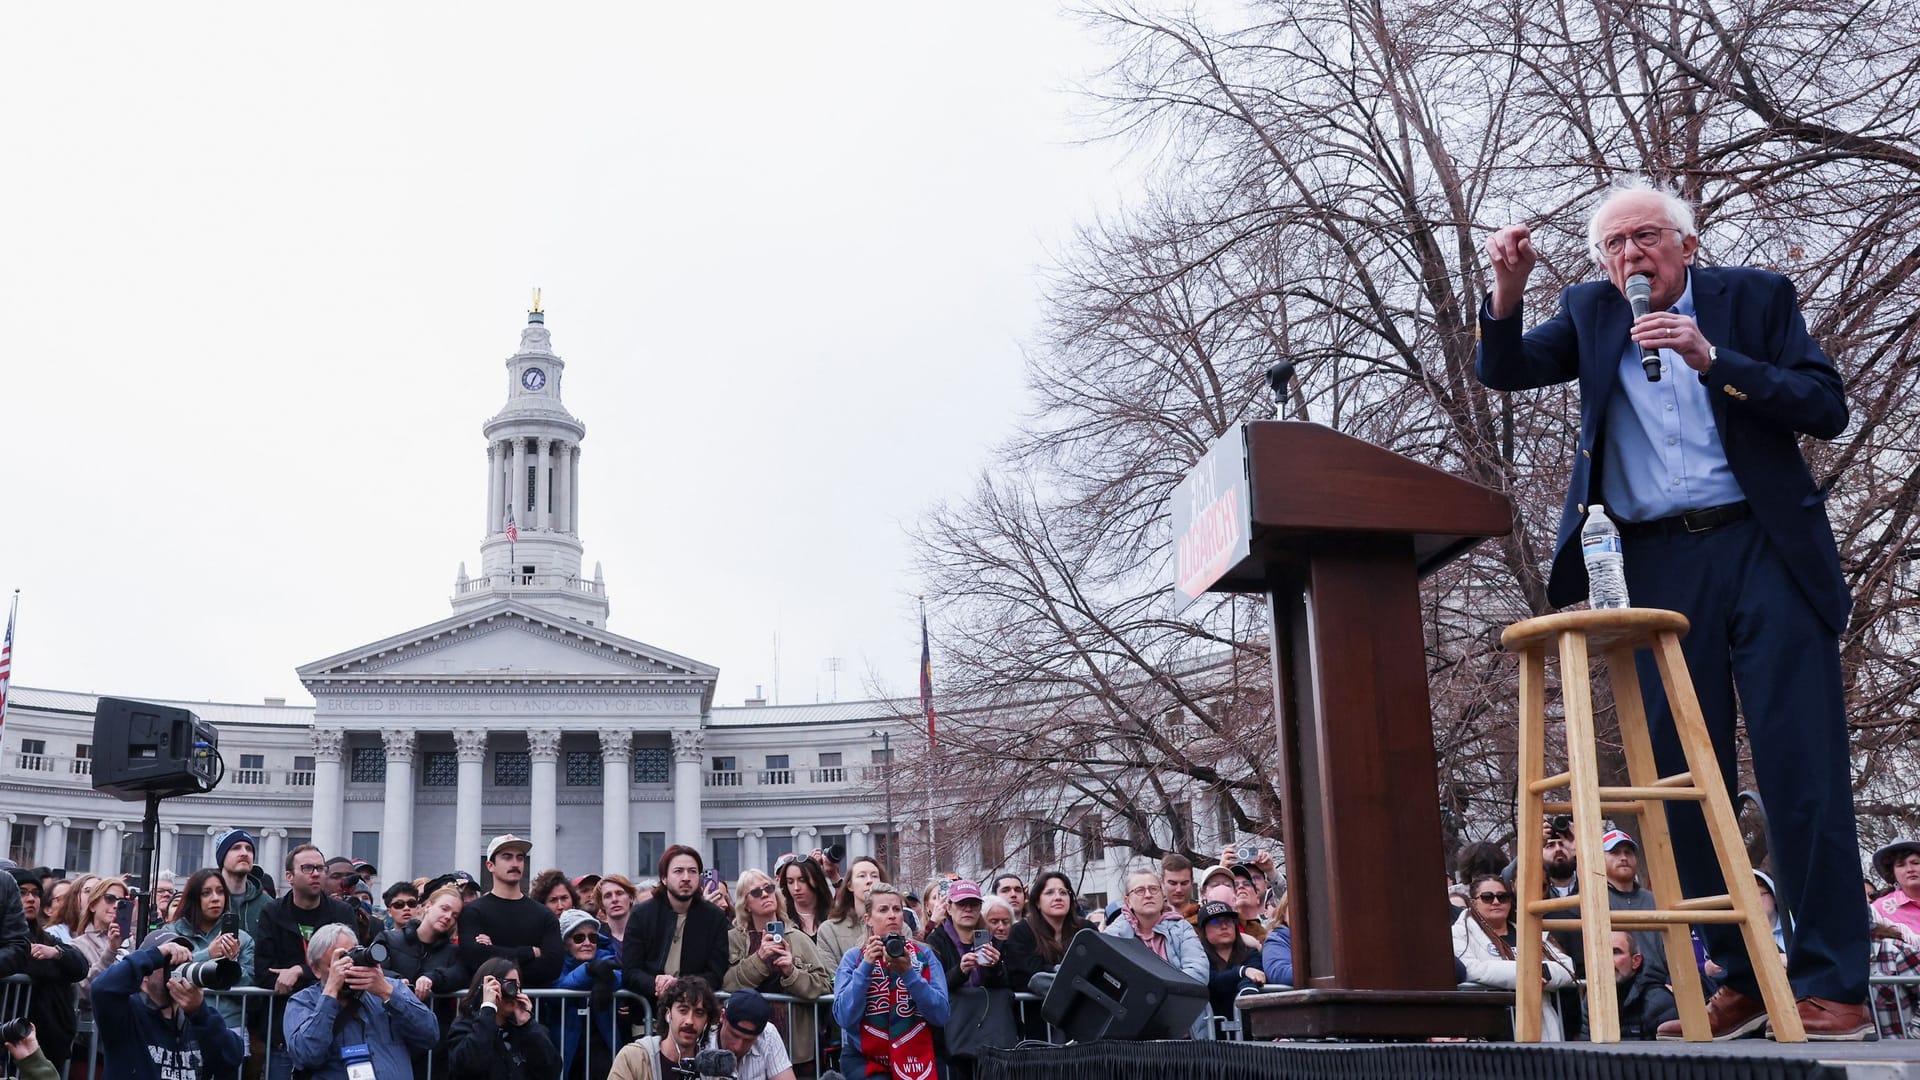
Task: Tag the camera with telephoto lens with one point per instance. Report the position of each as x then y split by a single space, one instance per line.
895 945
1560 825
207 974
366 956
712 1062
15 1030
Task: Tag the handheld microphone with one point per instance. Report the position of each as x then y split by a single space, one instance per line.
1640 295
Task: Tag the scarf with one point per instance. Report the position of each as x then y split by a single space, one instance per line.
895 1040
953 935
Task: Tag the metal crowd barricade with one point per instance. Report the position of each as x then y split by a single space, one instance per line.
1892 1000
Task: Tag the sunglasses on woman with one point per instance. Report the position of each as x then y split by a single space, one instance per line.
581 938
1494 897
760 892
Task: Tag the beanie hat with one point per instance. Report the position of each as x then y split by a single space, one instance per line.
225 841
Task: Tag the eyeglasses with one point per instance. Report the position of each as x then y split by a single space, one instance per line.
1494 897
581 938
1645 239
760 892
1144 890
311 868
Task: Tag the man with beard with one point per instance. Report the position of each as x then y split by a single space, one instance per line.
508 923
687 1009
234 852
54 967
675 932
280 946
1171 940
1645 1003
1558 854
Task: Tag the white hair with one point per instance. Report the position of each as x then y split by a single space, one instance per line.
323 940
1679 210
995 900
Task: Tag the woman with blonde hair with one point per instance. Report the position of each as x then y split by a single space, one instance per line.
66 913
784 963
99 939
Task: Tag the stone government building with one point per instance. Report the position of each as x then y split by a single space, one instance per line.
519 713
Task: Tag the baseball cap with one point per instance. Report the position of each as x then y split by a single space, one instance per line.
586 882
1242 871
157 938
1212 872
1214 909
1614 838
508 842
748 1011
571 919
962 890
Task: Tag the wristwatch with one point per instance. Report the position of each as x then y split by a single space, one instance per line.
1713 357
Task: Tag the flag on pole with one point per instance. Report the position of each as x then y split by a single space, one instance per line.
6 658
926 674
513 531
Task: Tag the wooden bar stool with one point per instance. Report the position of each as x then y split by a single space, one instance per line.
1573 636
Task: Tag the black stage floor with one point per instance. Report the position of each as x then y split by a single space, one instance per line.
1892 1059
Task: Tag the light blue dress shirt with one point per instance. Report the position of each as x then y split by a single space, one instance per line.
1663 454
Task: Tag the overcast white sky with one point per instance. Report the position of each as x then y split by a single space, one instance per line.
260 266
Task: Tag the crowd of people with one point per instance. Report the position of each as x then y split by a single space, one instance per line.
823 963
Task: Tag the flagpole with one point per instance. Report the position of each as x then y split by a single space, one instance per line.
6 657
926 675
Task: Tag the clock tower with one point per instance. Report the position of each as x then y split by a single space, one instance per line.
532 548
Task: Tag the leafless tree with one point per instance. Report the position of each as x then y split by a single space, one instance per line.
1327 172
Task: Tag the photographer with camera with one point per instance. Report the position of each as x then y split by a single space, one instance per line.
153 1019
54 967
688 1008
495 1037
287 924
888 996
355 1023
585 1028
24 1047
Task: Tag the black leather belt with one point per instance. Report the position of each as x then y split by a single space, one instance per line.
1693 521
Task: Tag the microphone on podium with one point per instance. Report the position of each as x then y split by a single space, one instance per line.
1640 295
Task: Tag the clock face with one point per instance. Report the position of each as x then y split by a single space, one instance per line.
533 378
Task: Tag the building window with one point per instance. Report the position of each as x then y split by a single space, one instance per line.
82 762
79 850
830 770
533 485
1093 901
253 761
726 764
512 768
1040 845
829 761
993 845
883 757
726 857
24 843
442 769
33 746
366 845
130 849
189 854
369 765
778 771
1092 847
831 840
583 768
33 757
652 765
652 846
297 839
253 769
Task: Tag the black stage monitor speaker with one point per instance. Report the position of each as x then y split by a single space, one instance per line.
142 750
1116 988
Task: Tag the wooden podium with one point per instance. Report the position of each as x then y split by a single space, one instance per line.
1338 532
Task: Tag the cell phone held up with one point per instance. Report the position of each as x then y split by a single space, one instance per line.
777 931
123 916
230 924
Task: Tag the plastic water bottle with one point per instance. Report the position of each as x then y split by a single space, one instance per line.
1606 567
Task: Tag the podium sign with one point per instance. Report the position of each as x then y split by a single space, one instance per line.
1212 512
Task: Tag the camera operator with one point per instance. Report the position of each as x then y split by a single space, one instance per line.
355 1023
54 967
153 1027
24 1048
688 1008
287 924
495 1037
888 996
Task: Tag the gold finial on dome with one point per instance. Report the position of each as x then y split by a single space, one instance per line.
535 309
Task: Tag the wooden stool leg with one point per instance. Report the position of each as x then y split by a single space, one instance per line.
1596 922
1663 878
1531 883
1775 992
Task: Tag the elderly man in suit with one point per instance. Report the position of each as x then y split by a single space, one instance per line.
1720 520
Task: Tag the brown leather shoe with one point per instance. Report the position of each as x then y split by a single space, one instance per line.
1830 1021
1730 1014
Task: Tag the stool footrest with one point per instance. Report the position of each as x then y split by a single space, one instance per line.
1557 780
1606 807
1556 903
1651 920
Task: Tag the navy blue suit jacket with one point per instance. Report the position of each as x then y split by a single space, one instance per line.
1770 384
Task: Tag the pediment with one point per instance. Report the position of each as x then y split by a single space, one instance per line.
508 641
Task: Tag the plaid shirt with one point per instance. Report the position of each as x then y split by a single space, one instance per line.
1893 1003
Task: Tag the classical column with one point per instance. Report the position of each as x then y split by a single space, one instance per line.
860 842
563 483
272 855
543 746
495 522
753 849
53 841
328 788
688 744
519 479
543 485
106 848
805 839
166 848
396 817
617 844
470 744
573 491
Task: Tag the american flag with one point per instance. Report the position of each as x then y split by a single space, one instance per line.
926 674
513 531
6 659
